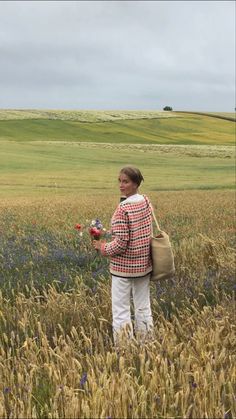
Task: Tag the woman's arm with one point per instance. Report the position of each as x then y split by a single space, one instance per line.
120 232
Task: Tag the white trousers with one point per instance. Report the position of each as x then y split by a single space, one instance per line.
122 289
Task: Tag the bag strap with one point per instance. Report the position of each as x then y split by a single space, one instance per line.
154 218
153 214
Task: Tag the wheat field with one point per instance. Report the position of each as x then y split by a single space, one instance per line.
57 356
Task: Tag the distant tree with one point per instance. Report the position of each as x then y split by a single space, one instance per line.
167 108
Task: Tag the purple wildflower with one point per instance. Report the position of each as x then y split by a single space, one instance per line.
94 289
83 379
157 398
6 390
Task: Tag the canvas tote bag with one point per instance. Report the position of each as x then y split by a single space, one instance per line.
162 255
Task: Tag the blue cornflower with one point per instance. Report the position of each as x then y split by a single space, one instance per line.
94 289
6 390
83 379
98 224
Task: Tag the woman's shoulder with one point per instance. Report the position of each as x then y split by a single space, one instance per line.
147 199
133 202
134 199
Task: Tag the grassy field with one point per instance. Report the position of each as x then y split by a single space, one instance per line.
183 129
42 169
84 151
96 116
57 357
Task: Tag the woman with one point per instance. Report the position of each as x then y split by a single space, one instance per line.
129 252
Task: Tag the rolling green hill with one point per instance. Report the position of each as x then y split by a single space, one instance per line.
62 152
144 128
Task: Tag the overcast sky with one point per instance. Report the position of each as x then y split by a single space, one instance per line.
117 55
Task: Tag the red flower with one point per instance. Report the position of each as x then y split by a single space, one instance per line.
78 226
95 232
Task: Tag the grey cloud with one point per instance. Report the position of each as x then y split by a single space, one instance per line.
105 54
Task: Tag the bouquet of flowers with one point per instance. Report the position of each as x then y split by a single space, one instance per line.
95 229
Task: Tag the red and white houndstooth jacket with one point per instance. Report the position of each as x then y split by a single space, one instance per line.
129 249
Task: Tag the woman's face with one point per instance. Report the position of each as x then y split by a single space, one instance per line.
127 186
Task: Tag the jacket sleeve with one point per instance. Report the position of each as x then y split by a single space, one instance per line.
120 233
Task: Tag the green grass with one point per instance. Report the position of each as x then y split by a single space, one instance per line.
52 156
28 168
228 116
185 129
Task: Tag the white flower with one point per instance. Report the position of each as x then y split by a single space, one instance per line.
93 223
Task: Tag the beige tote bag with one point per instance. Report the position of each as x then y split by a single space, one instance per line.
162 256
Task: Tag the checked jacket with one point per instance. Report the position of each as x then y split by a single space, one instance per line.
129 250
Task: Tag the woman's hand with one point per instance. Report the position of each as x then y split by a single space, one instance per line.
97 244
